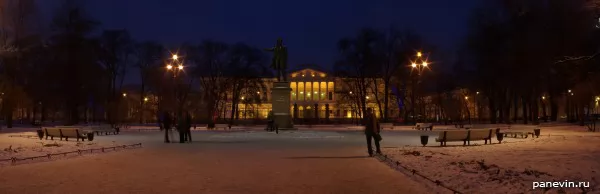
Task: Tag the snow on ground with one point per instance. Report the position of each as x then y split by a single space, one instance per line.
561 153
18 145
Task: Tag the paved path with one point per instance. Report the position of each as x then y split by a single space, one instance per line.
258 162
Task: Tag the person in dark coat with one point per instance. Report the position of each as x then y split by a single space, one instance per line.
181 128
372 131
167 124
188 129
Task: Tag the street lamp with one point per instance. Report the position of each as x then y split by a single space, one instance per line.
171 67
146 99
124 94
419 65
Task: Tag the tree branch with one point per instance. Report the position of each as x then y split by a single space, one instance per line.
578 58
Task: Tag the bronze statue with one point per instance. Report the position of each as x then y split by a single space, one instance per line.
279 61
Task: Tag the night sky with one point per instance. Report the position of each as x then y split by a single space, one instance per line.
310 28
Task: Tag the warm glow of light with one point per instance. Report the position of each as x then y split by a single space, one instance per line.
598 98
419 54
145 99
242 97
466 97
301 92
124 94
350 92
572 94
569 91
543 97
477 93
313 75
302 75
175 57
308 94
322 75
424 64
367 97
180 67
294 74
315 92
414 65
169 67
258 92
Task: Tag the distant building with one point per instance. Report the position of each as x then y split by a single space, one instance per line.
315 94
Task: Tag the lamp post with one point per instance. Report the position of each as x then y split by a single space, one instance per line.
419 65
176 66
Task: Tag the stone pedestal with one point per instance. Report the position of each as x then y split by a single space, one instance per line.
280 99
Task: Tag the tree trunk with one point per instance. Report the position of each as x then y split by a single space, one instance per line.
524 108
492 107
553 109
44 112
386 97
536 111
516 107
142 102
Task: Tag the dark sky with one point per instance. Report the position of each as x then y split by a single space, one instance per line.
310 28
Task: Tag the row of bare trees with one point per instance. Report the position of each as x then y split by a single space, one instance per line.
69 67
517 56
522 54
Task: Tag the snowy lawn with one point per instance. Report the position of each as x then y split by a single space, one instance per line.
23 147
561 153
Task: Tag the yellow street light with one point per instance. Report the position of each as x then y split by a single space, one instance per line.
414 65
419 54
367 97
124 94
145 99
543 97
242 97
257 92
424 64
175 57
169 67
180 67
466 97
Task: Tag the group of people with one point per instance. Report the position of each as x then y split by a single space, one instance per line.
183 126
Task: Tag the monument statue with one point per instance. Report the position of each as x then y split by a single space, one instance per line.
279 61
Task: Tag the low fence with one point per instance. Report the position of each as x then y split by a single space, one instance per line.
397 165
14 160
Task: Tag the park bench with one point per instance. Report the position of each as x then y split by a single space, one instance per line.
524 133
446 136
52 132
64 133
424 126
386 126
479 134
223 126
72 132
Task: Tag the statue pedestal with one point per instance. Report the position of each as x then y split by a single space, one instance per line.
280 99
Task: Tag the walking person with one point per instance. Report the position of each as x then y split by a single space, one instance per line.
270 124
181 128
167 124
372 131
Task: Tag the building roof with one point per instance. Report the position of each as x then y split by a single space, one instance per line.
302 67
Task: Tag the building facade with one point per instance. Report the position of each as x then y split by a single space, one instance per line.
315 94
